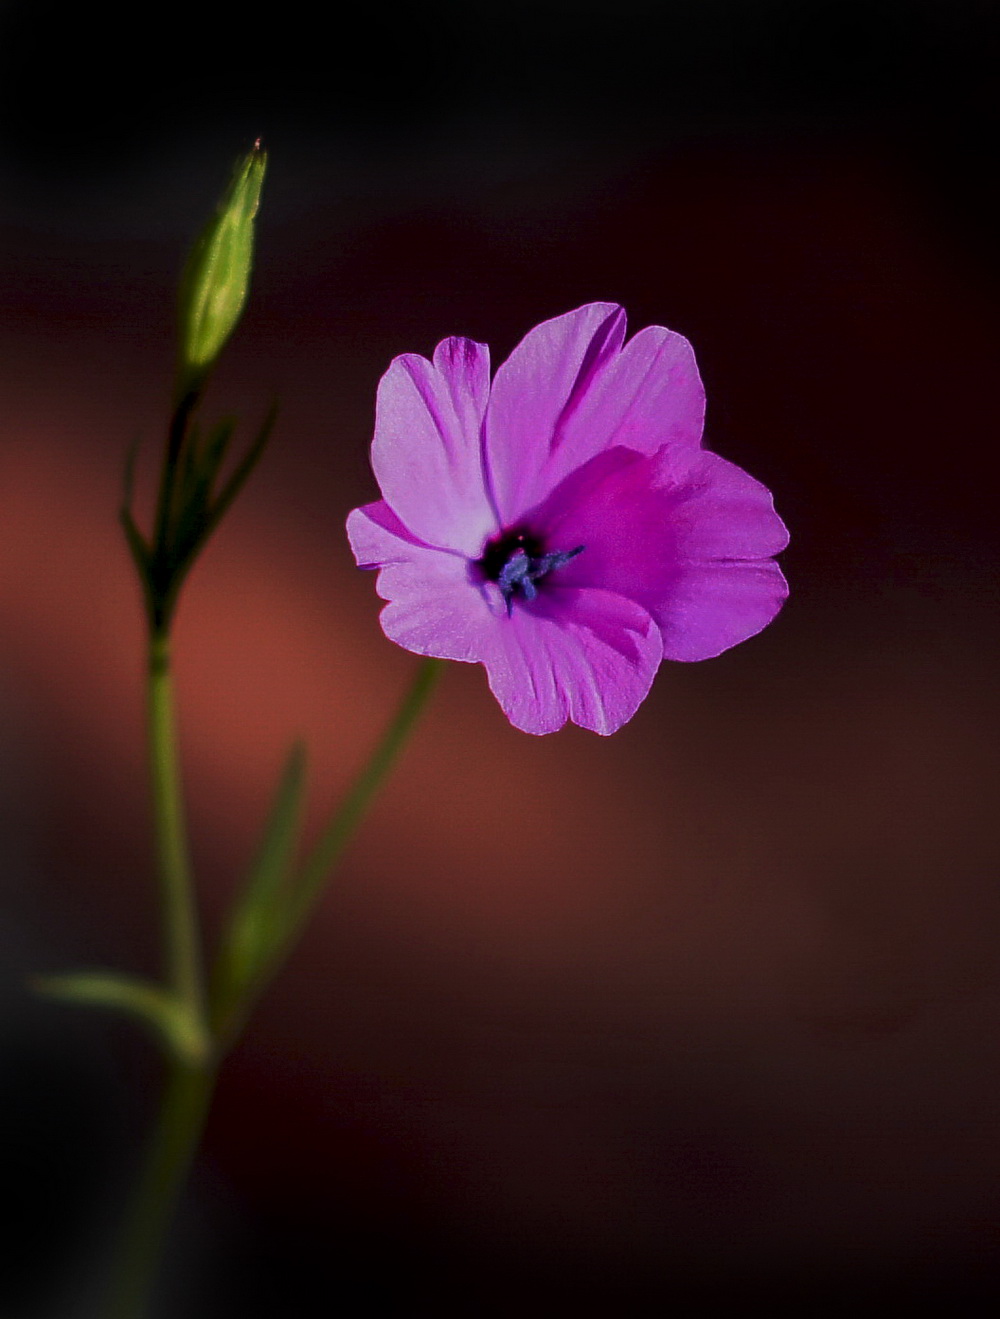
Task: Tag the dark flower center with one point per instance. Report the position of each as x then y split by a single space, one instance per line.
517 560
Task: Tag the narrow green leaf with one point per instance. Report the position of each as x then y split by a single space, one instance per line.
194 522
137 545
191 508
276 851
211 457
201 519
188 471
243 469
246 942
150 1002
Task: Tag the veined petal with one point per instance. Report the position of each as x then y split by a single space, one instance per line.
378 537
535 394
435 608
585 655
645 397
427 450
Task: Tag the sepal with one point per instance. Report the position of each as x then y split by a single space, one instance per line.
193 500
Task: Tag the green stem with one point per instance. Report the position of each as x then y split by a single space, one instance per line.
192 1081
180 918
168 1161
192 1078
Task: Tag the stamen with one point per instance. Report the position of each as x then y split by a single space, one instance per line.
515 563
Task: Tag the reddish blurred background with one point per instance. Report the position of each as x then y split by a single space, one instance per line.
700 1016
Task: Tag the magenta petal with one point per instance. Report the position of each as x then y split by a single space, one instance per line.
545 378
684 533
720 512
434 608
427 452
589 656
620 510
713 606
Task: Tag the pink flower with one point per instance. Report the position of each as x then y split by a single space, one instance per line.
563 526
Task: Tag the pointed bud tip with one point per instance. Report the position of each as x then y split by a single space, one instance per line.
216 280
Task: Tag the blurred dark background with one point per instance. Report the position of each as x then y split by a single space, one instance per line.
698 1017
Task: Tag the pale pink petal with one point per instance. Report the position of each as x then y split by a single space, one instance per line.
545 379
435 608
427 450
377 536
589 656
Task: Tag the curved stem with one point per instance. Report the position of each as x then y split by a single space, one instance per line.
345 820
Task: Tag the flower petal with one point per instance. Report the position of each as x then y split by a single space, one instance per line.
712 606
427 450
435 608
377 536
684 533
647 396
721 512
584 655
534 394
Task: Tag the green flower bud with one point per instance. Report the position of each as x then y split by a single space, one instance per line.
214 287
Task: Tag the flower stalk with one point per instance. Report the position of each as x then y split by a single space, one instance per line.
238 981
196 1028
171 1151
182 938
330 847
